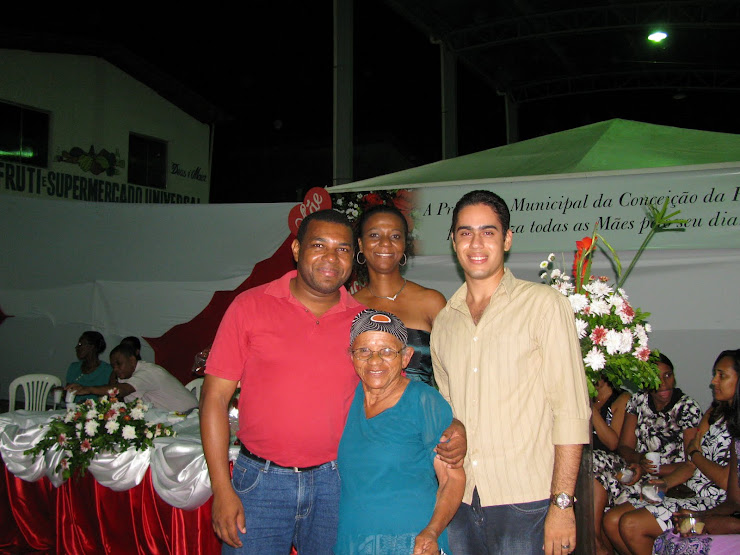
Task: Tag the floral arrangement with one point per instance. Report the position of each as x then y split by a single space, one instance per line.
90 427
613 334
354 204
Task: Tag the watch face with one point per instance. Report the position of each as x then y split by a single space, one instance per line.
563 500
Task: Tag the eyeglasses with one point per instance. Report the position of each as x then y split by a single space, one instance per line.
386 354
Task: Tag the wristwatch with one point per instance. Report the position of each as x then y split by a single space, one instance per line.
562 500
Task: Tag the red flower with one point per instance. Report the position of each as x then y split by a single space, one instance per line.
598 334
583 246
643 354
404 201
85 445
372 199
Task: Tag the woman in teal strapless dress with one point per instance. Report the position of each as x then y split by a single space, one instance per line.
383 243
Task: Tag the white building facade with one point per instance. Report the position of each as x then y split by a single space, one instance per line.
77 127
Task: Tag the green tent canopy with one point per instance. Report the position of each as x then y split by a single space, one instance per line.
611 145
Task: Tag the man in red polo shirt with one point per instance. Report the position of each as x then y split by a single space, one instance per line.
286 341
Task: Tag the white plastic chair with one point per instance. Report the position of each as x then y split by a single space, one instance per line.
195 386
36 389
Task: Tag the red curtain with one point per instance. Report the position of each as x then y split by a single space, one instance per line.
81 517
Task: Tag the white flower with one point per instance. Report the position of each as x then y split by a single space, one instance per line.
91 414
112 426
612 341
581 328
626 344
598 288
91 426
69 416
118 405
339 202
149 434
551 257
595 359
565 277
555 273
129 432
137 413
599 307
615 300
640 335
648 328
78 426
578 302
543 264
543 275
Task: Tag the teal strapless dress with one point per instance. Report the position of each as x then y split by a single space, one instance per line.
420 367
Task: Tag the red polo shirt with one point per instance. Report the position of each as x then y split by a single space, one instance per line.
297 379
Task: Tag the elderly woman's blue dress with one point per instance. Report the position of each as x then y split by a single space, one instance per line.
386 463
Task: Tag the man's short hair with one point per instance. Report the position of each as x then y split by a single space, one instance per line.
125 349
492 200
134 342
328 215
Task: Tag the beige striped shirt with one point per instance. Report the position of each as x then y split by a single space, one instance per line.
516 381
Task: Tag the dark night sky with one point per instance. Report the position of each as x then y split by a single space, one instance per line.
270 67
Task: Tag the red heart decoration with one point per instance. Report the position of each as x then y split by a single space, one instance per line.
316 199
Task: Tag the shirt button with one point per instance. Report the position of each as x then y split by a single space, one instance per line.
317 322
475 339
475 369
475 463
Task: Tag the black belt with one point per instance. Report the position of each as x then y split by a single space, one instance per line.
247 453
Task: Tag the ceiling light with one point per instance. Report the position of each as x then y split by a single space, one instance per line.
657 36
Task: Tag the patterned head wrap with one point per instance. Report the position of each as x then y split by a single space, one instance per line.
377 320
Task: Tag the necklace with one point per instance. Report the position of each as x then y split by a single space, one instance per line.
393 298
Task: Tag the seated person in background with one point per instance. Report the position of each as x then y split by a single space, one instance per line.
88 370
147 381
134 343
662 421
607 416
721 533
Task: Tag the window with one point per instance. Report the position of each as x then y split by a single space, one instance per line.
24 135
147 161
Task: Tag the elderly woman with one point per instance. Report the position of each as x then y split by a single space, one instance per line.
396 497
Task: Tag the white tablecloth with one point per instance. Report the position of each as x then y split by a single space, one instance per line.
179 471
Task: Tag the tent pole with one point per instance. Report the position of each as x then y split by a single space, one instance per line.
343 147
448 66
512 119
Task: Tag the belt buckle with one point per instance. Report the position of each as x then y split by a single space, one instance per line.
296 469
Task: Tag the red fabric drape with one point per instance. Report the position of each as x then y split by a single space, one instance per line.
82 517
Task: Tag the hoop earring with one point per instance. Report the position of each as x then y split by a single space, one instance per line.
405 259
357 257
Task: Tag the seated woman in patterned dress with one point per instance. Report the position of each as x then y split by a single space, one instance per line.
607 416
636 524
721 534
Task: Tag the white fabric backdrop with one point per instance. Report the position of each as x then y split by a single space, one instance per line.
140 269
121 269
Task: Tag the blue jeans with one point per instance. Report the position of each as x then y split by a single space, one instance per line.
283 507
504 529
